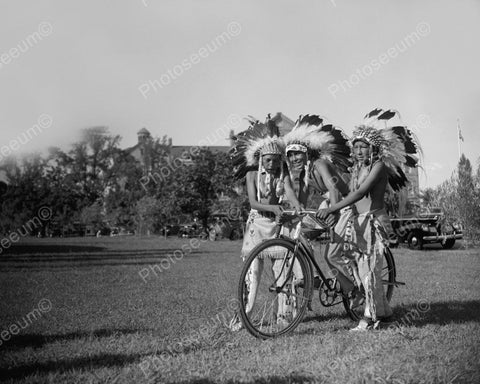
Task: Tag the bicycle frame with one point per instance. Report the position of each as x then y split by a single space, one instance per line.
300 242
289 286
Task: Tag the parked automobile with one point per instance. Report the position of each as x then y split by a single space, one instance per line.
224 227
194 229
170 230
427 227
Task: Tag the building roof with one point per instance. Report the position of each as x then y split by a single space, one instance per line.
177 150
284 123
143 131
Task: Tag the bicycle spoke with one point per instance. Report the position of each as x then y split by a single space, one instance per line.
388 276
278 306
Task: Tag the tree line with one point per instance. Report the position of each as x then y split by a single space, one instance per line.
96 184
459 198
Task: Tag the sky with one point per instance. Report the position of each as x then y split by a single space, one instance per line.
193 70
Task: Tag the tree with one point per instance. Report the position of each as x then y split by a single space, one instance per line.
427 197
446 198
90 161
123 191
467 202
147 217
27 192
93 215
198 183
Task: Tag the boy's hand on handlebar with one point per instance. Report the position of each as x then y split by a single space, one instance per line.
277 210
331 219
322 214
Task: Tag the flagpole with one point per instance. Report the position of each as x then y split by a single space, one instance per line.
458 137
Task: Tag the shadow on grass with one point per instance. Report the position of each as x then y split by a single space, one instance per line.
438 247
82 258
263 380
90 363
18 249
36 252
442 313
104 360
417 315
36 340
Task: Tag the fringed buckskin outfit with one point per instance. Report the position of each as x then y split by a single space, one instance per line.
360 239
250 145
261 225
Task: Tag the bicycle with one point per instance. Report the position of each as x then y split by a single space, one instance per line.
277 303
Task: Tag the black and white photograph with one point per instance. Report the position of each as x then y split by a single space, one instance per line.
224 191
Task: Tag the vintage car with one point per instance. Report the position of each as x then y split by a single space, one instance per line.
427 227
225 226
193 229
170 230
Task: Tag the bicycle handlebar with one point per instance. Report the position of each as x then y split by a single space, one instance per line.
305 212
302 214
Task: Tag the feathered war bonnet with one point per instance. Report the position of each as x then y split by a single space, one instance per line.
395 145
318 141
250 145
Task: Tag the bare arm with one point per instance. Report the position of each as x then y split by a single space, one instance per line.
375 175
333 182
252 196
290 193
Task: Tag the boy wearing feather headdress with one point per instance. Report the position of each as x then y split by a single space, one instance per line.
363 231
257 154
312 148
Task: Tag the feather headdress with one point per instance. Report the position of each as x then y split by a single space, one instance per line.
395 145
319 140
258 140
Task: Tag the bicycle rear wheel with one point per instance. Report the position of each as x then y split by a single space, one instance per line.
274 294
389 274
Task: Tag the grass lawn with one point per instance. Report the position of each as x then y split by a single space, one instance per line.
130 310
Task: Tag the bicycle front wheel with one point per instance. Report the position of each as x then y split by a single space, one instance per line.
274 289
388 274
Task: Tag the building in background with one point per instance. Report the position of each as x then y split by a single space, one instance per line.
409 200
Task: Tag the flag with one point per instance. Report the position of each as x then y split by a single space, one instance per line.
460 137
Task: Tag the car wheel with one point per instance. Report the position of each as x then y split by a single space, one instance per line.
415 240
448 244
